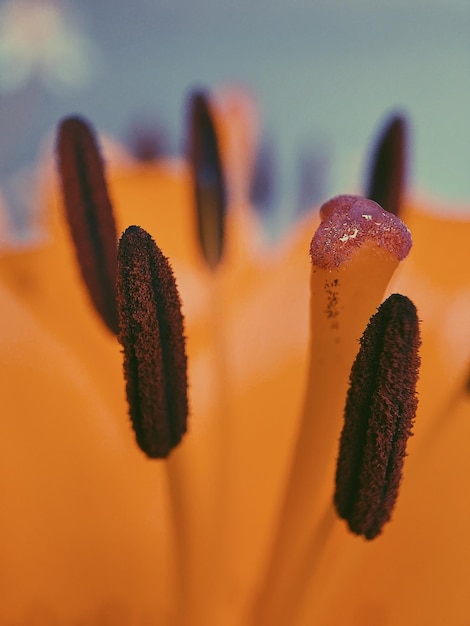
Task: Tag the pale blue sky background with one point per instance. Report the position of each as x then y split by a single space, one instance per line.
325 72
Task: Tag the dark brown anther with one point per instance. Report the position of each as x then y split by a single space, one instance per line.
208 179
147 141
262 191
89 214
387 174
152 336
380 409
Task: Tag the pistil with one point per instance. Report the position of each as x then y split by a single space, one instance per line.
355 251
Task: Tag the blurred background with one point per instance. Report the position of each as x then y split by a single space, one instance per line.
325 74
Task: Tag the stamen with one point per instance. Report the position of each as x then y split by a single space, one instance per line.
208 179
388 166
147 142
380 409
262 188
313 166
89 214
151 333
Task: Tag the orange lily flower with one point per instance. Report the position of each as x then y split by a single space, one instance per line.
237 526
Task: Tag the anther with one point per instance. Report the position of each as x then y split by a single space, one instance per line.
379 413
147 141
208 179
388 166
262 188
89 214
152 336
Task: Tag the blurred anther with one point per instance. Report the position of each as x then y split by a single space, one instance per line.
387 170
89 214
208 178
